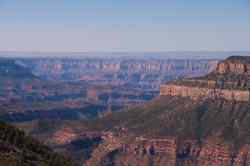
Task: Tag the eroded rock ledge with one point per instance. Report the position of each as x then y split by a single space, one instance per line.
229 81
189 151
198 93
168 151
234 64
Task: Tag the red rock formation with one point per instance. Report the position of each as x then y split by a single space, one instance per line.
63 136
233 67
170 150
229 81
198 93
243 156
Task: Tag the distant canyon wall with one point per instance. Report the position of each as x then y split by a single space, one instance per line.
124 69
115 65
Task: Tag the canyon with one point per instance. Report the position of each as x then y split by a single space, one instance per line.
82 88
49 97
144 72
194 121
199 120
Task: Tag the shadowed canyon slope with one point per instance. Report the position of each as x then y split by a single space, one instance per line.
199 121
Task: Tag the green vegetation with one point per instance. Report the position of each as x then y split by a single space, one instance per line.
17 149
238 59
222 121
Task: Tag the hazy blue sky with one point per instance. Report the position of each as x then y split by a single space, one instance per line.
124 25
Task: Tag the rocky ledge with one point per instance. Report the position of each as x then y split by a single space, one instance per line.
234 64
197 93
229 81
166 151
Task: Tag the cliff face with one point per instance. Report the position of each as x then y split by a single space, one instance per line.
234 64
166 152
189 152
48 67
149 72
198 93
228 81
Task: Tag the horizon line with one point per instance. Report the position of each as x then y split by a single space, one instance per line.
167 51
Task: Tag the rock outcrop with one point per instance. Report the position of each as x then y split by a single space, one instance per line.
228 81
168 152
234 64
110 143
198 93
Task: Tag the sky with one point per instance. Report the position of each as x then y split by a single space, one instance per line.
124 25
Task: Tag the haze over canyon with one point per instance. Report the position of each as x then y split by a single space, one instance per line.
127 111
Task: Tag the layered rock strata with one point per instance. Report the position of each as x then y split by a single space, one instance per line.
168 152
228 81
234 64
198 93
